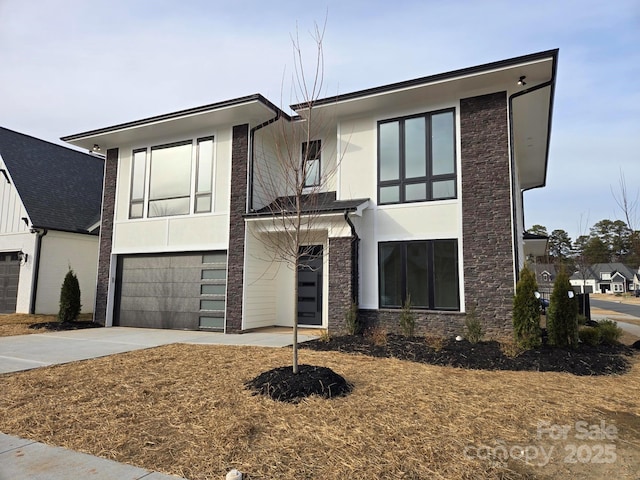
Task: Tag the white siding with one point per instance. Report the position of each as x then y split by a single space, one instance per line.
261 284
59 252
11 209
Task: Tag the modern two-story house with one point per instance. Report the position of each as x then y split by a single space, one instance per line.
425 200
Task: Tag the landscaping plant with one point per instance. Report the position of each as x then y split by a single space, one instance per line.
351 319
526 311
69 298
473 330
609 331
562 314
407 318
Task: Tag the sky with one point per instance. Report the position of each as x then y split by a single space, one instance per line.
68 66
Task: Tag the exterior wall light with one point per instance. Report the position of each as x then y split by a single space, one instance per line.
521 81
23 257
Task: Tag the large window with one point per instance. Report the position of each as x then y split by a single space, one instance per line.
168 187
311 161
416 158
426 271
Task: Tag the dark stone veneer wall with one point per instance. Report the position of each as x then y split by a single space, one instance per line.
486 211
237 207
486 230
341 271
106 235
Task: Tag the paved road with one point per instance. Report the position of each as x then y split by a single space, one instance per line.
624 308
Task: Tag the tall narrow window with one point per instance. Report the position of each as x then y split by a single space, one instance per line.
416 158
138 171
311 162
424 271
204 175
170 180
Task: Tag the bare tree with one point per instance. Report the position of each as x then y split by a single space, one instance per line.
582 261
629 206
289 179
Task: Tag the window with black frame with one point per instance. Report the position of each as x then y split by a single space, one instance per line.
416 158
426 271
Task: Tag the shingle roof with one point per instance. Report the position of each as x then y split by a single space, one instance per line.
61 188
324 202
596 270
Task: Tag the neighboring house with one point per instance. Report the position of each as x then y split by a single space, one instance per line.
606 278
545 276
50 198
427 200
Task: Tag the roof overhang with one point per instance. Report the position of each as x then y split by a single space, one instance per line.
535 245
252 109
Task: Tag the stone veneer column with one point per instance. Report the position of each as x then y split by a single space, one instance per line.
237 207
340 281
486 210
106 235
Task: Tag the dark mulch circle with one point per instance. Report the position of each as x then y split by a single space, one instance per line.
63 326
283 385
583 360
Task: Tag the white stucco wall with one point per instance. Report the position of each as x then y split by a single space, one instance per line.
59 252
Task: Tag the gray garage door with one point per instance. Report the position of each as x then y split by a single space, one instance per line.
9 274
177 291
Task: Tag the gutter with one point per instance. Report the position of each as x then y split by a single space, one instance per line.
355 249
36 273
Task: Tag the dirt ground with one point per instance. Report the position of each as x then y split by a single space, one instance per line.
183 409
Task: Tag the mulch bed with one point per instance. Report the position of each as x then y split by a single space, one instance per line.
64 326
584 360
283 385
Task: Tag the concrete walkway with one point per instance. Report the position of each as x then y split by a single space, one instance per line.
22 459
24 352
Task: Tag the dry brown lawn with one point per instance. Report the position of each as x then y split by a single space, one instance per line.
18 323
182 409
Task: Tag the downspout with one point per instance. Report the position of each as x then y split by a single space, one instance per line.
551 83
36 266
249 207
355 242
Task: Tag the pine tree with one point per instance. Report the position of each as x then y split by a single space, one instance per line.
69 298
526 311
562 314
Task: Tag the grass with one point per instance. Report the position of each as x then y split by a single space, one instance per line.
182 409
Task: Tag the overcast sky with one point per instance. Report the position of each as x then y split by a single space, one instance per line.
68 66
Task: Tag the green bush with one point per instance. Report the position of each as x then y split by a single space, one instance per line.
473 330
351 319
526 311
589 335
581 319
562 314
69 298
407 318
610 333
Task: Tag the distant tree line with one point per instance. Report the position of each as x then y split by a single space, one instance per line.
608 241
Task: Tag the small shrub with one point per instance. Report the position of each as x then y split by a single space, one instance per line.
325 336
472 327
69 298
589 335
407 318
351 319
562 324
526 311
610 333
435 342
582 320
377 335
511 349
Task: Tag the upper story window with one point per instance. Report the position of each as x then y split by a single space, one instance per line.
168 188
416 158
311 161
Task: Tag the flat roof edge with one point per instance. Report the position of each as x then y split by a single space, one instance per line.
181 113
550 54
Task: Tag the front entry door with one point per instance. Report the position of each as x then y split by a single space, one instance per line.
310 286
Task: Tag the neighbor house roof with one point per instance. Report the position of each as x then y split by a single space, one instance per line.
596 270
60 188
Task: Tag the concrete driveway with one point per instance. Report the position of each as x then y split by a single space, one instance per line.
24 352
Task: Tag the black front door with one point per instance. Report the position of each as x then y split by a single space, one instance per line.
310 286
